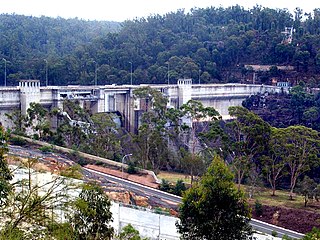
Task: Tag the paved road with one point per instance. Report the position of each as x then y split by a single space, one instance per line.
256 224
135 186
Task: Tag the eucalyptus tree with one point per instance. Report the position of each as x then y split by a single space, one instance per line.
302 146
152 137
274 165
248 137
199 117
91 214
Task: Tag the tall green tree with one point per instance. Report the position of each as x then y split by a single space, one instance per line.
104 140
91 217
303 146
248 137
308 189
273 162
37 120
152 137
5 173
200 118
213 208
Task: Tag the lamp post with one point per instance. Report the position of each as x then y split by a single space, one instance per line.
130 73
122 161
199 75
95 74
5 71
46 71
168 73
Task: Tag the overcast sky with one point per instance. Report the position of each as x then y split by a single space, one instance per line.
120 10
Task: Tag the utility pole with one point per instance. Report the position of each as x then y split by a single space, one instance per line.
130 73
5 71
168 74
95 73
46 71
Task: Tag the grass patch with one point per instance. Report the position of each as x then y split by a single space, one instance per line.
173 177
281 199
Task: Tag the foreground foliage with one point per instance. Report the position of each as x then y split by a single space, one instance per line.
214 208
92 214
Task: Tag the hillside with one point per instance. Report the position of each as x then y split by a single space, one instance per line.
210 45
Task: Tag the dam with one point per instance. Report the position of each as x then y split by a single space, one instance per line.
120 98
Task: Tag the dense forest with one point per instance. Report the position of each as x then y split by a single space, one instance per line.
299 107
210 45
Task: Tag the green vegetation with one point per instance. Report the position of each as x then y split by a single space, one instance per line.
18 141
211 45
92 215
213 42
129 233
299 107
46 149
28 206
213 208
5 173
74 171
313 235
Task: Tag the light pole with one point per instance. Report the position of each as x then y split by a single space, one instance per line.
127 155
168 74
199 75
5 71
95 74
46 71
130 73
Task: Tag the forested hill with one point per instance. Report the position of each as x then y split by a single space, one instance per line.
212 44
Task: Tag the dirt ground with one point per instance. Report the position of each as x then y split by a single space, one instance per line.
142 178
298 220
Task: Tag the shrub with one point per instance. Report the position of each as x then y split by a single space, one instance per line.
179 188
274 233
18 141
165 186
46 149
258 208
131 168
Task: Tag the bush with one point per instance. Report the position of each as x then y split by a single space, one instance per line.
258 208
131 168
179 188
165 186
82 161
313 235
46 149
18 141
274 233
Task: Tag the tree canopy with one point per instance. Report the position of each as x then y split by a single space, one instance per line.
207 44
213 208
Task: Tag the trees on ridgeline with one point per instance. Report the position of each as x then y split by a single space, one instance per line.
207 44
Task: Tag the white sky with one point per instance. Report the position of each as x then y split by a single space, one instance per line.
120 10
